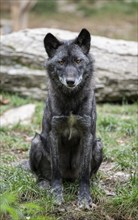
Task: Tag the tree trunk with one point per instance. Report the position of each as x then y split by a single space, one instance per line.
23 57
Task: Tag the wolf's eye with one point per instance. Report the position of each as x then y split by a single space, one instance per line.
77 60
61 62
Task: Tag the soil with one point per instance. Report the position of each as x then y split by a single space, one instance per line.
118 27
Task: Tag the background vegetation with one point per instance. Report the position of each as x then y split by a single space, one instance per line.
110 18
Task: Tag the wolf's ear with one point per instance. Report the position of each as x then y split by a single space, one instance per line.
51 43
84 40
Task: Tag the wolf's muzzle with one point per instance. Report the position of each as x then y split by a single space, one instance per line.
70 82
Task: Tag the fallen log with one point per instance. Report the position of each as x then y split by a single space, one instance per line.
23 57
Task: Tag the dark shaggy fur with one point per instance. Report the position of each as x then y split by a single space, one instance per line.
67 147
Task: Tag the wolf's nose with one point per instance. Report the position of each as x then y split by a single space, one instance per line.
70 82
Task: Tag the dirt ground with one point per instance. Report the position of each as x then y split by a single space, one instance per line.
121 27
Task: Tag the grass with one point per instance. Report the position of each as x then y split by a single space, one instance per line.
45 7
109 7
21 198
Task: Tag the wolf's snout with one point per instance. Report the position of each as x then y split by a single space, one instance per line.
70 82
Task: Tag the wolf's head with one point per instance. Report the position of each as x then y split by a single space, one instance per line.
69 63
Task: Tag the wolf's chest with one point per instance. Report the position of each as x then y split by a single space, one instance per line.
71 129
70 126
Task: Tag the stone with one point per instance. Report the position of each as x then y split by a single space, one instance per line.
21 115
23 60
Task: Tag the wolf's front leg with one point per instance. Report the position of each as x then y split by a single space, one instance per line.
84 197
56 174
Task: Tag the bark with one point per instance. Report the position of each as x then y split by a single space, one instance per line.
23 57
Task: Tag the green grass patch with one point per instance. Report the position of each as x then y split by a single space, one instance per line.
125 203
12 101
45 7
108 8
20 196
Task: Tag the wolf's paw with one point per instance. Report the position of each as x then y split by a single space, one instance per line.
58 199
84 201
57 195
44 185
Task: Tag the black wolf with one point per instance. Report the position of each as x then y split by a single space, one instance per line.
67 147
